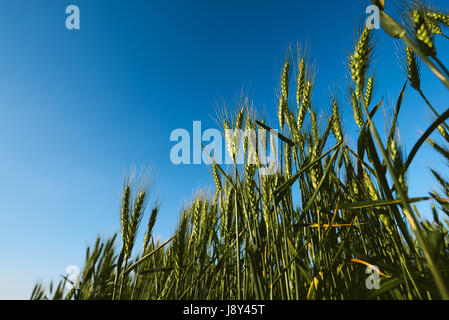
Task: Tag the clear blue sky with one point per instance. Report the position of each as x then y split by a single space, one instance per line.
78 107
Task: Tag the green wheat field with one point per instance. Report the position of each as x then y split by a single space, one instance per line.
311 230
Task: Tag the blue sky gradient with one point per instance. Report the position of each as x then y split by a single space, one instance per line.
77 107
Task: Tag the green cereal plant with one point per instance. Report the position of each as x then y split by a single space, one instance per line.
309 230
